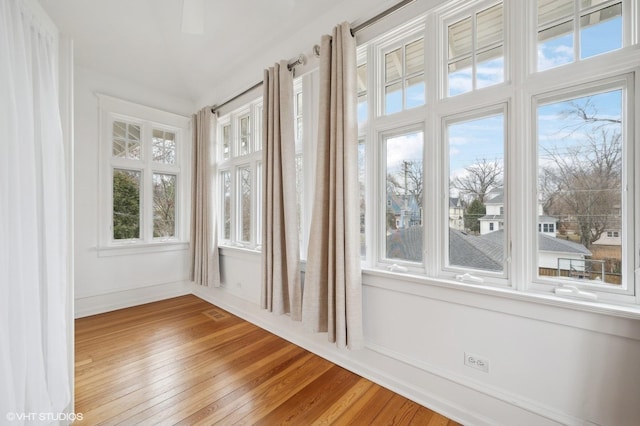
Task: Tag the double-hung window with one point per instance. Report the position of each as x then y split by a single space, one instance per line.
143 155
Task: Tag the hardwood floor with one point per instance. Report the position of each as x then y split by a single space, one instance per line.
184 361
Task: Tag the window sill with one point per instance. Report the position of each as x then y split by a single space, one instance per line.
142 248
238 251
540 306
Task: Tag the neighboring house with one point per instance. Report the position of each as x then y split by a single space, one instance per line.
405 209
493 220
456 214
612 236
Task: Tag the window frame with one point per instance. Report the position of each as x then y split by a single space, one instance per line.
630 219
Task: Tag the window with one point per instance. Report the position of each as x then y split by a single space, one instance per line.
403 77
581 170
475 50
142 158
534 178
570 29
403 191
239 172
476 147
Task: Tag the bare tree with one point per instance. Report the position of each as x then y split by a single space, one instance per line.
408 181
479 180
583 183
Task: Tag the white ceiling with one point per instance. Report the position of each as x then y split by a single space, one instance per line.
141 40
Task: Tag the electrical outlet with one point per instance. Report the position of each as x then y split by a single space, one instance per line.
477 362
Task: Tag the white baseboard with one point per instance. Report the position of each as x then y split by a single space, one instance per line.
98 304
414 383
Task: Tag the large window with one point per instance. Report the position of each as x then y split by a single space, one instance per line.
530 181
143 154
239 176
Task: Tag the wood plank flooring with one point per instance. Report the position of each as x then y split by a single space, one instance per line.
184 361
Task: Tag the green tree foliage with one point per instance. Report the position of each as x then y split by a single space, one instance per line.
474 211
126 204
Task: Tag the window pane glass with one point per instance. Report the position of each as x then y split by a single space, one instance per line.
393 65
601 31
460 77
554 10
258 119
362 78
476 196
119 148
245 204
134 132
244 135
580 188
134 150
126 204
404 186
460 41
300 197
119 130
555 46
362 108
490 68
226 142
393 98
164 205
489 26
363 209
415 91
414 57
259 204
226 207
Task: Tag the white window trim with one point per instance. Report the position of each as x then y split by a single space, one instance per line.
252 160
148 118
519 87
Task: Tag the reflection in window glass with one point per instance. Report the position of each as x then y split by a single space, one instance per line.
476 196
126 140
244 136
164 205
475 57
226 142
245 204
164 147
226 205
404 85
599 31
403 192
126 204
362 93
580 171
361 185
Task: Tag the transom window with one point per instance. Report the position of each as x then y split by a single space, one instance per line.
571 29
403 77
475 51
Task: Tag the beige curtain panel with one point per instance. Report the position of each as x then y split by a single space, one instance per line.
205 263
281 287
332 299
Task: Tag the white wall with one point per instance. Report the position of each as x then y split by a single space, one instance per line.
549 363
102 282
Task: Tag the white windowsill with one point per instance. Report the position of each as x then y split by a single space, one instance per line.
125 249
548 299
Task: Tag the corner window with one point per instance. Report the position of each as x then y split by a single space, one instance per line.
146 193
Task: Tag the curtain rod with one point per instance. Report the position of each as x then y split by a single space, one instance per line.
302 59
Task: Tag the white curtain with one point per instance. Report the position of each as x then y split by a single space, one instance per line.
34 376
332 298
205 262
281 288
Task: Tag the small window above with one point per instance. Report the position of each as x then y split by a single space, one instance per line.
126 141
567 32
475 46
164 147
404 79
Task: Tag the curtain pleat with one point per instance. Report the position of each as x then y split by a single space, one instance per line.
332 299
34 283
205 263
281 287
